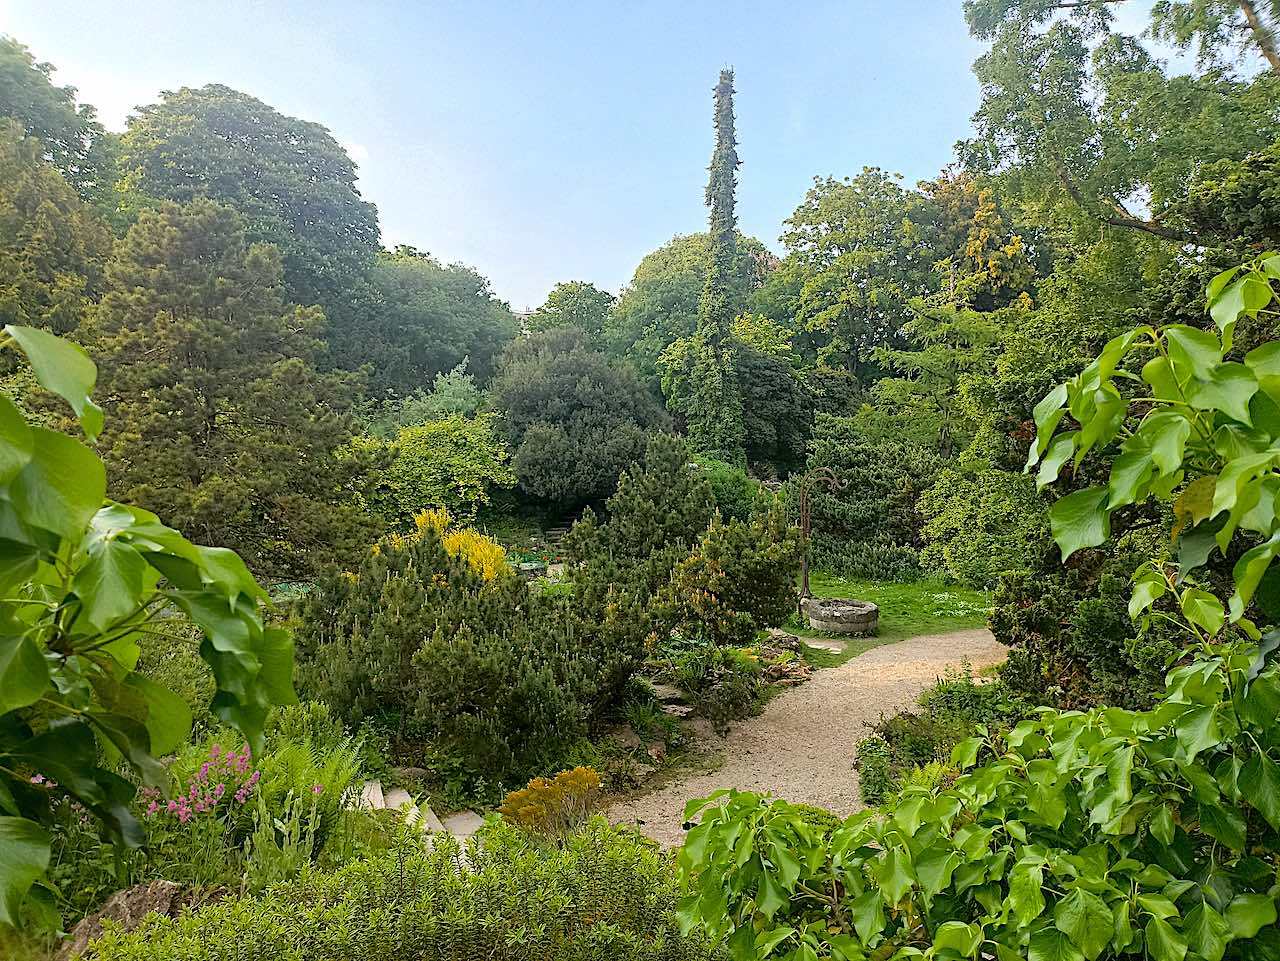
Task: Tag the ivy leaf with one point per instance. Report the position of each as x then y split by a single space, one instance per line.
1058 454
963 939
24 856
65 369
1207 933
1203 610
1086 920
61 487
24 674
1247 914
1223 824
1050 944
1163 942
894 875
1259 782
110 582
1228 388
16 443
770 897
1080 520
168 716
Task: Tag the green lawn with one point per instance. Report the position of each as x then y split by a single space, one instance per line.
906 610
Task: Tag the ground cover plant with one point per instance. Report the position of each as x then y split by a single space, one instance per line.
601 892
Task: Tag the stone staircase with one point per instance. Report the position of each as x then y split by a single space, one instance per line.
372 798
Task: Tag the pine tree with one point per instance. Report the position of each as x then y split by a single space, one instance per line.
714 409
219 420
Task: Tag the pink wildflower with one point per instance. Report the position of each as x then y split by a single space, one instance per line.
317 789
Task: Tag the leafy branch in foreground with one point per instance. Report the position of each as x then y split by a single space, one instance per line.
82 580
1080 836
1195 430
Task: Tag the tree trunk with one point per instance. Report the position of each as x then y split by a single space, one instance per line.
1262 34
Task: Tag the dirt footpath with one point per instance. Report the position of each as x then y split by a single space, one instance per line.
802 747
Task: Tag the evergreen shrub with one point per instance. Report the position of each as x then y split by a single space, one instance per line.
606 893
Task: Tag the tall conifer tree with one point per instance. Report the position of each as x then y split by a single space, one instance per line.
715 405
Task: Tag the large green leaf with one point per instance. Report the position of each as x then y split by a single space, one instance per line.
24 856
16 442
65 369
1164 943
958 937
1059 453
62 487
1086 920
1227 387
1080 520
1207 933
110 582
1192 351
770 898
1223 824
1166 432
1048 413
1259 782
894 875
1247 914
1050 944
24 674
168 715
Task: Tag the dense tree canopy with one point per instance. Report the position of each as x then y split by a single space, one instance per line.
289 179
69 132
575 417
424 319
219 419
660 305
52 246
574 303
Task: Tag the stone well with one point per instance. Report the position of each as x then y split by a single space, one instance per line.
838 615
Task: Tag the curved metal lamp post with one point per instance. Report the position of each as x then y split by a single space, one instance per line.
833 482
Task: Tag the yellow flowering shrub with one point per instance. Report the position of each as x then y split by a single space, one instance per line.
556 807
485 555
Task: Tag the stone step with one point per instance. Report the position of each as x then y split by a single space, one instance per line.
825 644
463 824
668 693
398 799
424 818
369 798
677 710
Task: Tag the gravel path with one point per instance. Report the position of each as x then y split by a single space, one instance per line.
801 748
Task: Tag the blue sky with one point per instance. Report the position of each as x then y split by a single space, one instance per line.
548 141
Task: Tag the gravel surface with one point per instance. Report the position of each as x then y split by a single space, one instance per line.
801 748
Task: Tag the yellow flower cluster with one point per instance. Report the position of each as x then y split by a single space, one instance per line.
485 555
554 807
